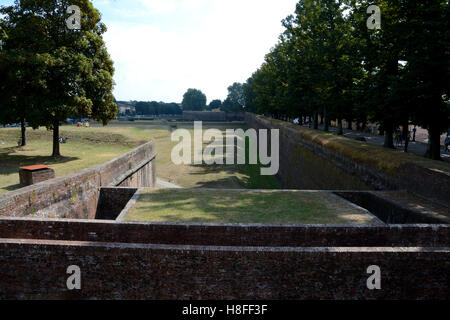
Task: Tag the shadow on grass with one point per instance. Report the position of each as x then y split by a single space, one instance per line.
231 207
250 175
12 163
14 187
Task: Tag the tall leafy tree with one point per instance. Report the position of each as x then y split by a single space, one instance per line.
72 68
427 70
20 69
194 100
328 62
235 101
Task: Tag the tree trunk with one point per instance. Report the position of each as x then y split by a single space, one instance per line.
321 118
316 121
388 137
56 152
23 126
406 135
326 127
340 128
435 143
349 125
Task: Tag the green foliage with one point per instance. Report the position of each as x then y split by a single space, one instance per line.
235 101
194 100
157 108
54 72
215 104
327 61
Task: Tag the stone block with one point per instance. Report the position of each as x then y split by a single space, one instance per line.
34 174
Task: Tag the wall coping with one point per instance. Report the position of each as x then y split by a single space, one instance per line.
434 227
165 247
82 173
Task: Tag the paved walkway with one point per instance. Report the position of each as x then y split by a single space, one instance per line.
414 147
167 185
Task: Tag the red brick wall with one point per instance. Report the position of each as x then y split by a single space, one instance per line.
76 196
33 269
227 235
305 164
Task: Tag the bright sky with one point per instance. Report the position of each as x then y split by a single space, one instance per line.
161 48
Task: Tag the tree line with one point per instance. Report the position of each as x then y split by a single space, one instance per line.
53 65
157 108
195 100
329 65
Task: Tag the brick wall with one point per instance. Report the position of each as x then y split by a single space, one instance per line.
204 261
227 234
305 164
36 269
212 116
76 196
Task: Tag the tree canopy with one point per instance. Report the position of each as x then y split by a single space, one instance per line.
194 100
328 62
157 108
65 72
235 101
215 104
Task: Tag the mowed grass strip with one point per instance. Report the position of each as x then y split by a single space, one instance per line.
239 206
86 148
90 147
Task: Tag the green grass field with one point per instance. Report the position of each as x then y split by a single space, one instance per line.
237 206
90 147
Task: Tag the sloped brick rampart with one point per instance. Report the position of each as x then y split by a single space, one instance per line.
76 196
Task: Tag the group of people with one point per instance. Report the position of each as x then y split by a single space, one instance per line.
399 138
85 124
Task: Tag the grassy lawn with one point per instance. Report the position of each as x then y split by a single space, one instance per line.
206 176
90 147
237 206
86 148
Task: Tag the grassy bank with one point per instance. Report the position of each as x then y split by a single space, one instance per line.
86 148
237 206
382 159
90 147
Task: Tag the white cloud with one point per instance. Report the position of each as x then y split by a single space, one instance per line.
224 42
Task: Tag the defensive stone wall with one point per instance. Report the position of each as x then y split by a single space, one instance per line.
212 116
150 261
76 196
313 160
249 235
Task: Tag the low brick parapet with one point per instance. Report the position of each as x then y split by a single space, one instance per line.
76 195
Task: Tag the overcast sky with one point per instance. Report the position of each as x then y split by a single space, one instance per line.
161 48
